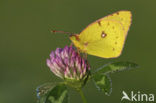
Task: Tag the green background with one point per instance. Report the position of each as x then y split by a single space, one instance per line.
26 42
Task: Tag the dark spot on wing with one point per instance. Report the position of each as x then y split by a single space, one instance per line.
103 34
86 43
117 13
115 42
117 37
113 49
99 23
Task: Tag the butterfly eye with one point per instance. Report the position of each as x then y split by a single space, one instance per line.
103 34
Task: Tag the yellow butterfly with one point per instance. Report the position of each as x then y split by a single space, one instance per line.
104 37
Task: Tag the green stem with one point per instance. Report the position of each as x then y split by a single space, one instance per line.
82 96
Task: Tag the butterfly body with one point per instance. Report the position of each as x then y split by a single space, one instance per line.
104 37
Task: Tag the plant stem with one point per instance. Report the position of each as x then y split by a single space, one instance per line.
82 96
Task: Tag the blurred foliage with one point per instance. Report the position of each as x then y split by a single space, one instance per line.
47 93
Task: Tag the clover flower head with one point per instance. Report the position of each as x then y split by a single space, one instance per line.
67 63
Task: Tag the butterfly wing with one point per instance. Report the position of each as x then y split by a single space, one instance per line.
108 40
105 37
124 17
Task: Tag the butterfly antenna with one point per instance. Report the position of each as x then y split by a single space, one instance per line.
55 31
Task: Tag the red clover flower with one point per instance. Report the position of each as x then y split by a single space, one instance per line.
69 65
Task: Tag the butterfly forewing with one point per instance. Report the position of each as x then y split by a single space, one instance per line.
106 36
124 17
108 40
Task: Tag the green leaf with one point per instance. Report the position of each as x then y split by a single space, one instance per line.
58 94
50 93
103 83
43 90
116 66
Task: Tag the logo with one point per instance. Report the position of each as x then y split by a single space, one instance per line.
143 97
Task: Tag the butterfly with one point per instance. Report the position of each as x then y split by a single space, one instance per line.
105 37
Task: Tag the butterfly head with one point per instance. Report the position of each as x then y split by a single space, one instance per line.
75 39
